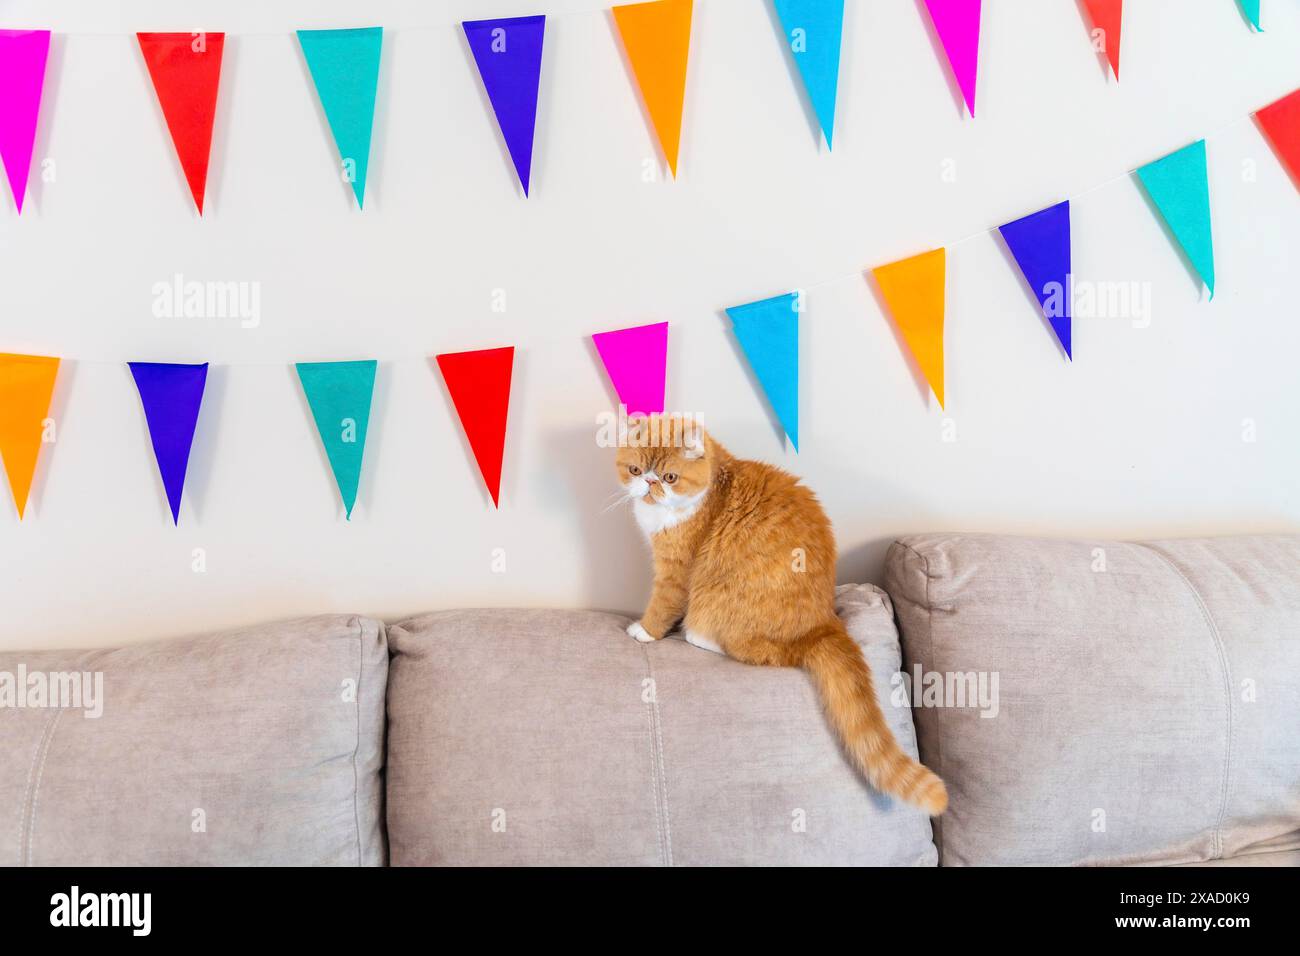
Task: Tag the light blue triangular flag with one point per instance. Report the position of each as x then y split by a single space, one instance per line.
812 29
768 331
344 66
339 395
1179 186
1251 9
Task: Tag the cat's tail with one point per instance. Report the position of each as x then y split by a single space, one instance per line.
844 680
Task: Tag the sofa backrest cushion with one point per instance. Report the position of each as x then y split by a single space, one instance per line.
1148 695
260 746
551 737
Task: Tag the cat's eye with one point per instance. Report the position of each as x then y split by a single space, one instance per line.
633 469
670 478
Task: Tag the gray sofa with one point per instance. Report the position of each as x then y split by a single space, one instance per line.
1086 703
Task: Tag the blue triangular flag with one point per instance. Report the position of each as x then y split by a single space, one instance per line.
1041 245
344 65
339 395
1251 9
768 331
1179 185
171 396
813 29
509 57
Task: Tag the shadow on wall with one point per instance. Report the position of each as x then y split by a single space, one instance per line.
864 562
585 486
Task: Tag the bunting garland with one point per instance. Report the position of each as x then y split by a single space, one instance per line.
171 396
1251 9
186 71
657 38
636 360
1280 122
913 290
768 332
813 31
508 54
1179 186
339 395
479 385
1040 244
344 67
958 24
1107 18
22 75
26 388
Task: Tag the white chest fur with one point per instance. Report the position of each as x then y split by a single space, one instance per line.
667 514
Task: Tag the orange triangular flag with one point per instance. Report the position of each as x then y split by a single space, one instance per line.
914 291
26 386
657 37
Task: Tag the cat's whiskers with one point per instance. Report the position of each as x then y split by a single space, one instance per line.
620 498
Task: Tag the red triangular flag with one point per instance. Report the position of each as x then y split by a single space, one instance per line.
1280 122
1107 17
185 69
479 384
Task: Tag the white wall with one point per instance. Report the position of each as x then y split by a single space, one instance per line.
1142 435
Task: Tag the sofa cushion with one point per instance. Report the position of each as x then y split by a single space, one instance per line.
551 737
1148 695
260 746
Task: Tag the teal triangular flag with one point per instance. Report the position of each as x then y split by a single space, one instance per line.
1251 9
768 331
813 29
344 66
1179 186
339 396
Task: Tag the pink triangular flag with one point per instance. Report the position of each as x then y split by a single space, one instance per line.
636 360
22 74
958 24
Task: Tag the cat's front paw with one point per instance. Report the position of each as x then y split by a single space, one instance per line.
640 633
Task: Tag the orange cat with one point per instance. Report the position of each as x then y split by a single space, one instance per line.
745 555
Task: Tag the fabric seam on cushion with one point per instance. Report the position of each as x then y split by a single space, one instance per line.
663 771
356 777
658 777
654 786
25 803
1213 628
34 789
936 824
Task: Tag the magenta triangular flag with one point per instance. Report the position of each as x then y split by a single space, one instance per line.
958 24
636 360
22 74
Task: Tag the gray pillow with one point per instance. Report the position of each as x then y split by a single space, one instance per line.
1149 695
551 737
261 746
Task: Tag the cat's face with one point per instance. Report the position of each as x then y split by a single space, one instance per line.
665 460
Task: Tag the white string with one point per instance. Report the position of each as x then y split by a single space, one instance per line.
362 23
1077 196
857 274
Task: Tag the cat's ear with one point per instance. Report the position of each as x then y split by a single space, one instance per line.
692 441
